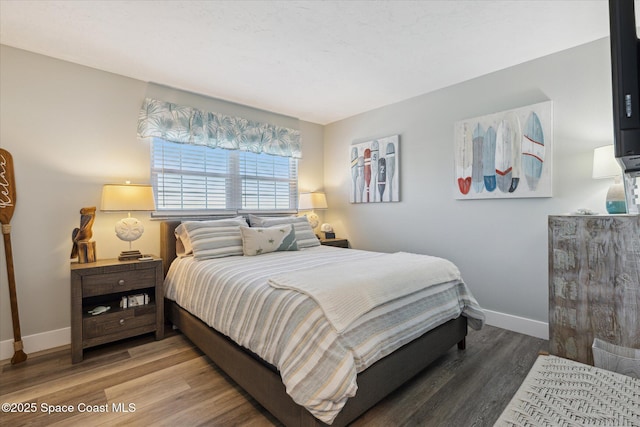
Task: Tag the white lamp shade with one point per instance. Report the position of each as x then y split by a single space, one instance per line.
127 198
605 164
311 201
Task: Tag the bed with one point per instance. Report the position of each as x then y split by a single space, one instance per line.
376 370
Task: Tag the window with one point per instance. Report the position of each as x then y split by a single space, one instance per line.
200 180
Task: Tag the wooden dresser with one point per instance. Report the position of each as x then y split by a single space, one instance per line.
594 283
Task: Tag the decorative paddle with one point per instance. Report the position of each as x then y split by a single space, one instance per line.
7 205
391 167
382 176
367 172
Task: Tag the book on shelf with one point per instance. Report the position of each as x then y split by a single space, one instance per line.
136 300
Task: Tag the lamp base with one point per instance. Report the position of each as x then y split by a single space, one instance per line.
313 219
129 255
617 207
615 202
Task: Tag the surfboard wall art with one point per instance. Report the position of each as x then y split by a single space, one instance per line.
505 155
375 170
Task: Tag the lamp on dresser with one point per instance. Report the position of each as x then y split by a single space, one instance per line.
606 166
309 202
128 198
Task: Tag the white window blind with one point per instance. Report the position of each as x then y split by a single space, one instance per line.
199 180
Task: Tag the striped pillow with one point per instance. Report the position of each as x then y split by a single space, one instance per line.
262 240
304 233
210 239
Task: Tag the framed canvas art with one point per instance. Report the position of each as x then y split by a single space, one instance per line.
505 155
375 170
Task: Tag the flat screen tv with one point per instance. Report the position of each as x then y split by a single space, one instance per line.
625 69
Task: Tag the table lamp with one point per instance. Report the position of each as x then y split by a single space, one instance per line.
128 198
309 202
606 166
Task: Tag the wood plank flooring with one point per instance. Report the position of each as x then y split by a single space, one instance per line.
170 382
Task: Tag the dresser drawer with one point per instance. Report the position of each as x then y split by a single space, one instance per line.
121 281
119 322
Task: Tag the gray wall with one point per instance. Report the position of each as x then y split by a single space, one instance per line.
499 245
70 130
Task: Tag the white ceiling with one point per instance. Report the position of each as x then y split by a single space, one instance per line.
320 61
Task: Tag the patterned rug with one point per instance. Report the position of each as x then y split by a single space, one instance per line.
561 392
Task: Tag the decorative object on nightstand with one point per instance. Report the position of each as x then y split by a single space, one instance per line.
309 202
327 229
128 198
338 243
606 166
83 247
97 291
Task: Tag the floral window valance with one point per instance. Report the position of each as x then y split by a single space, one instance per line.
178 123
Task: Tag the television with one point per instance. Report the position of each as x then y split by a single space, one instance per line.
625 70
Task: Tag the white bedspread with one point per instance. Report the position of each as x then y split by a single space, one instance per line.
289 330
347 290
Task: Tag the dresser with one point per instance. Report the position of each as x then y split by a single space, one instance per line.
594 283
105 283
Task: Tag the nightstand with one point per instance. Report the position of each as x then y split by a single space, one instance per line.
338 243
105 283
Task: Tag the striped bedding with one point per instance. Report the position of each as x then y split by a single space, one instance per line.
289 330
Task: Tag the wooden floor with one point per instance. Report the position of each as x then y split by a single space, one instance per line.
169 382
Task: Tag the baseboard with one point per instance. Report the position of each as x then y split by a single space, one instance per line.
534 328
60 337
37 342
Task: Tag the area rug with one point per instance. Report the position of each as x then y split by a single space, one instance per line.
561 392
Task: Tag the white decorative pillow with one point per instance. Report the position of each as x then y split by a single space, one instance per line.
210 239
304 233
262 240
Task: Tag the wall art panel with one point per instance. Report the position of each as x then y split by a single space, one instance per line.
506 154
375 170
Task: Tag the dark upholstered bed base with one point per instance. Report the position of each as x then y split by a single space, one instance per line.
262 381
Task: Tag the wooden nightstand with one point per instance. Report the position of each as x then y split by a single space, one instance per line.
104 283
338 243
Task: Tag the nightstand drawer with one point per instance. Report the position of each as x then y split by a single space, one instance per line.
120 322
122 281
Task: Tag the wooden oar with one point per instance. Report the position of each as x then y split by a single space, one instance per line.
7 205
